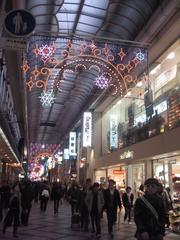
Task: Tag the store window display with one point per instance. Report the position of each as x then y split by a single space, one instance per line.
175 215
167 171
152 107
119 176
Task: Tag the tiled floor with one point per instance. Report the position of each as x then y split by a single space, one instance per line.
46 226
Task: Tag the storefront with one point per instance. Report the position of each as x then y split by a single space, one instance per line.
132 175
118 174
167 171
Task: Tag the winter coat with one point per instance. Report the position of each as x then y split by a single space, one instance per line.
125 199
144 218
116 199
89 200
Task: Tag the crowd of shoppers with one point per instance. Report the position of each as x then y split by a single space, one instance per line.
150 209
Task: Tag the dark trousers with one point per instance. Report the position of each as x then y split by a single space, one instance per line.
157 237
112 218
127 213
85 218
36 197
12 217
25 215
74 207
56 205
1 213
95 221
44 201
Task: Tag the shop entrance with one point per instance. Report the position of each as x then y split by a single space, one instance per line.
118 174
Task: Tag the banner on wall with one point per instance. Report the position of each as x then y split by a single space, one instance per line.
72 144
113 132
87 129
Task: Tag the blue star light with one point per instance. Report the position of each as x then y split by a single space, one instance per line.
140 56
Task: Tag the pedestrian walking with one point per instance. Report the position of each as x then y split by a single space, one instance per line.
12 216
149 213
95 203
127 199
45 194
56 195
112 202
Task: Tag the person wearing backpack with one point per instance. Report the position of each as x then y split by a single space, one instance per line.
149 213
44 198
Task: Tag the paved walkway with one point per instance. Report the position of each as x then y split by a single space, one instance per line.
46 226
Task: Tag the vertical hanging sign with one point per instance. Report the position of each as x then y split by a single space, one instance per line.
66 154
87 129
113 132
72 144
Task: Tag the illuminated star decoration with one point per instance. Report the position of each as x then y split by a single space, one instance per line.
45 51
102 82
140 56
47 98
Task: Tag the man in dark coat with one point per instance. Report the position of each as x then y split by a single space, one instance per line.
82 204
150 219
127 199
12 216
57 194
73 197
5 196
27 196
112 202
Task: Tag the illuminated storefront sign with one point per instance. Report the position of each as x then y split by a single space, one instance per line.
118 172
66 154
72 144
113 132
87 129
128 154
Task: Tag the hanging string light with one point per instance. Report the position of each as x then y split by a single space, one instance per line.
116 60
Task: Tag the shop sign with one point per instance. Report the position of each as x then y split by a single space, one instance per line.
118 172
87 129
19 23
113 132
66 154
12 44
72 144
59 160
128 154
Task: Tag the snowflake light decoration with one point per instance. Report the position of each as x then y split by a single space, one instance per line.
47 98
140 56
45 51
102 81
